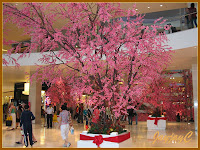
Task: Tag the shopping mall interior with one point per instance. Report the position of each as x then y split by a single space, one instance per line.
182 71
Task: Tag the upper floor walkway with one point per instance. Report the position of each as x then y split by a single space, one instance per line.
178 40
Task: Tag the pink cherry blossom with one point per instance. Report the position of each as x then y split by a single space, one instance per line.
96 51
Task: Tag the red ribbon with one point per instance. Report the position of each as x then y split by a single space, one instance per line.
156 119
98 140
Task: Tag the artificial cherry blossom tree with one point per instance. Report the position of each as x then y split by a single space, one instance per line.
94 50
59 92
169 95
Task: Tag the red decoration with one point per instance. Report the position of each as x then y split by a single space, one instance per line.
59 92
86 127
156 119
99 139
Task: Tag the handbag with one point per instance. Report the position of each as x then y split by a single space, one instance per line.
72 130
55 119
9 121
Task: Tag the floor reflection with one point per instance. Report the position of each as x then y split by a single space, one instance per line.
141 137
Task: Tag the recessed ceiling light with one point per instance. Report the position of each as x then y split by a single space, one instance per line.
136 9
148 7
161 5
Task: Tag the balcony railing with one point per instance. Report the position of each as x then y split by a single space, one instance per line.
176 18
178 22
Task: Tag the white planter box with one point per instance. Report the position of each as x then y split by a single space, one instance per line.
105 144
161 124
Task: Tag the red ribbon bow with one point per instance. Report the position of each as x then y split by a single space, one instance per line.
98 140
156 119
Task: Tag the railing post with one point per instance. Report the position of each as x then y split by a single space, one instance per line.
181 23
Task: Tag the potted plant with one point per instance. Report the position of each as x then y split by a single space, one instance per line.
156 120
105 134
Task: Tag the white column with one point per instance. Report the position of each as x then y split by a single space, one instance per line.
35 100
195 96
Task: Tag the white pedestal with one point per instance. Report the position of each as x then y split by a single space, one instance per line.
106 144
161 125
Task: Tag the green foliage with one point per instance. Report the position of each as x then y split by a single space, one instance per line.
106 128
157 112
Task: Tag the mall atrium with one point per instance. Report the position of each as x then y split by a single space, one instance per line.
176 99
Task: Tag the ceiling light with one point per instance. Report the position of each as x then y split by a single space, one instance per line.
26 89
136 9
161 5
4 50
148 7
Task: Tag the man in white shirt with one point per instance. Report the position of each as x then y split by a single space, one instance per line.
49 112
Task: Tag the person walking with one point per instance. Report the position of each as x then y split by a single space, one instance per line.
26 121
22 131
18 115
49 112
12 111
187 17
130 116
85 113
76 113
5 111
80 115
136 117
65 123
193 17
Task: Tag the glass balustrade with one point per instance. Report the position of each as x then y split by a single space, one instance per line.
177 18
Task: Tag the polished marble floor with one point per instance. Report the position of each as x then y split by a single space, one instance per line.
141 137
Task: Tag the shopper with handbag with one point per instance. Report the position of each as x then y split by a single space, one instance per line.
65 123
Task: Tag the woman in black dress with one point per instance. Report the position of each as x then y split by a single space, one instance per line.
18 115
